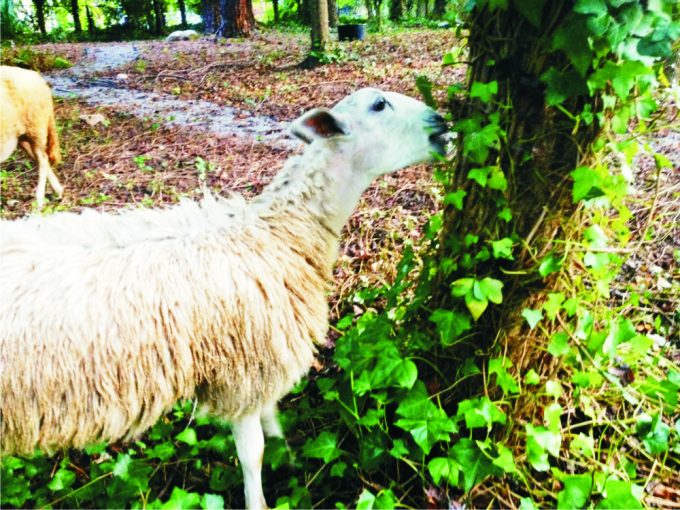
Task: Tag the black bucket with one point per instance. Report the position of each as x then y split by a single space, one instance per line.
351 32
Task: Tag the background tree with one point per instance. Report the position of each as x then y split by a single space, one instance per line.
91 27
396 10
7 18
320 32
210 12
75 12
182 12
237 18
159 16
332 13
40 15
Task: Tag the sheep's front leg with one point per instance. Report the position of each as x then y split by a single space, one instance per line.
250 449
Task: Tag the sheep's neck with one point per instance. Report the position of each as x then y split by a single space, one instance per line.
320 181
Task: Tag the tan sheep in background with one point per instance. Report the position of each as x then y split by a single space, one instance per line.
27 118
182 35
107 320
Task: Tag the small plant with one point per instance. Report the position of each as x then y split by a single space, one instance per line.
140 161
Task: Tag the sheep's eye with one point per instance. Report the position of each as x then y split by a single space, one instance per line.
379 104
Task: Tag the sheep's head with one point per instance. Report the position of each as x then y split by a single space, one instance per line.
384 131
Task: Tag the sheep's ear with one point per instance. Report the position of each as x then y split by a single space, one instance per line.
318 123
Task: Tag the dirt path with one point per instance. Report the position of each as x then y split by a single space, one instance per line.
80 81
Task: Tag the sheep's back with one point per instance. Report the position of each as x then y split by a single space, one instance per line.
97 342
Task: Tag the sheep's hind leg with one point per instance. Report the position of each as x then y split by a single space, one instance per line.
270 421
250 449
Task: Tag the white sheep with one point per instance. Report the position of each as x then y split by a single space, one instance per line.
182 35
28 120
107 320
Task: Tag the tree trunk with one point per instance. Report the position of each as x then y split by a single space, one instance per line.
320 32
75 12
182 12
237 18
275 5
332 13
210 11
369 9
305 9
7 19
439 9
534 156
91 27
40 15
396 10
158 16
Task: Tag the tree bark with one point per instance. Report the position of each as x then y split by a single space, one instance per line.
158 16
396 10
320 32
182 12
439 9
91 27
75 12
535 155
305 9
332 13
275 5
210 11
237 18
40 15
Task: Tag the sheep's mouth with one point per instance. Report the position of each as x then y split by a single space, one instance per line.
439 138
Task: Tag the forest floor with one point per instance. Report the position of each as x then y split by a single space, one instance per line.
149 123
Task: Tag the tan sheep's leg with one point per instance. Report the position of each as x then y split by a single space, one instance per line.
43 165
45 172
250 449
270 421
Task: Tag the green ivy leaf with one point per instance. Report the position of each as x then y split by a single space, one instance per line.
532 316
559 344
366 500
122 467
324 447
462 287
212 502
181 499
502 249
553 304
426 422
475 306
583 444
621 494
444 468
531 377
549 264
589 379
63 479
572 38
480 175
531 10
491 289
484 91
504 379
576 492
480 413
188 436
505 460
477 465
527 504
540 443
654 433
450 325
455 199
